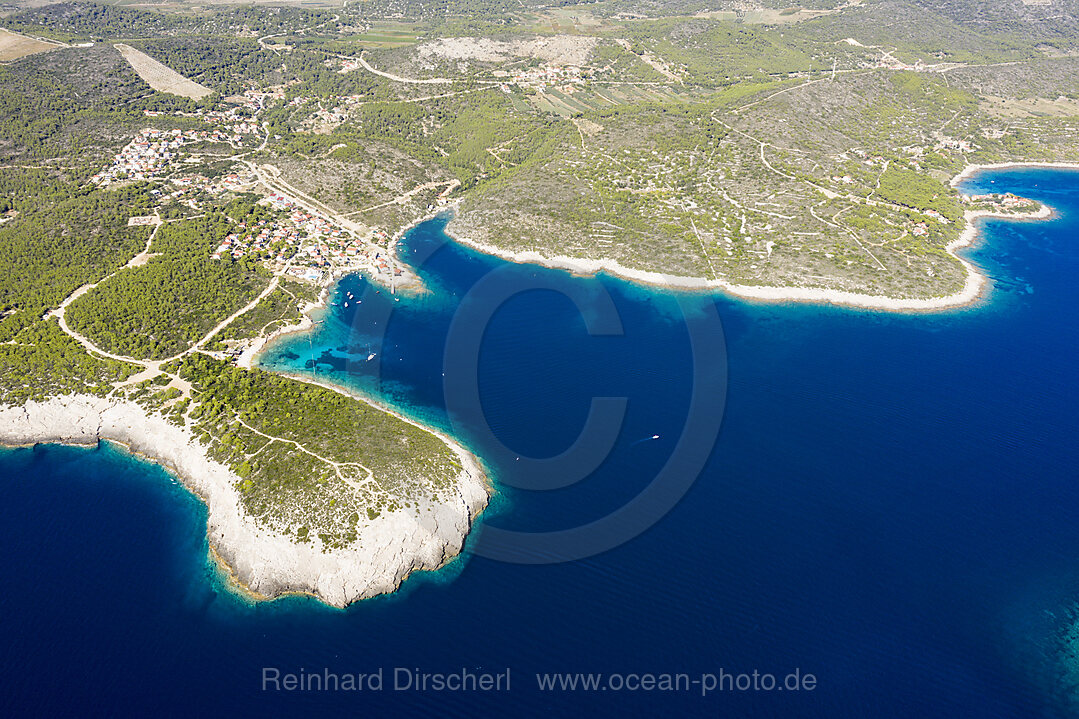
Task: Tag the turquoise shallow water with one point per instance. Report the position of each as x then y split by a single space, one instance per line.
889 504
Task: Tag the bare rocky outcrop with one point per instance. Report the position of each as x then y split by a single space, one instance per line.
556 50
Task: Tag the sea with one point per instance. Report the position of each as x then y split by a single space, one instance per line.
702 506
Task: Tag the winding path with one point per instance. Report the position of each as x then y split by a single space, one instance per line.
151 368
397 78
451 185
336 465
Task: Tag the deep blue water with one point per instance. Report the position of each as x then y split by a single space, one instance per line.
890 505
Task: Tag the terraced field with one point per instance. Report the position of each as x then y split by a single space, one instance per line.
161 77
600 97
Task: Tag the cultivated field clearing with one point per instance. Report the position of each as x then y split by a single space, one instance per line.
161 77
1013 108
750 15
600 97
13 46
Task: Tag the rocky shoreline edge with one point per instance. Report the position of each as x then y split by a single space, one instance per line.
264 564
973 289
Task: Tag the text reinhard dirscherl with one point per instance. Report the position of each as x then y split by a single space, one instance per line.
402 679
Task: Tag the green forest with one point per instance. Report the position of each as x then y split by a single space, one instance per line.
164 307
41 361
63 237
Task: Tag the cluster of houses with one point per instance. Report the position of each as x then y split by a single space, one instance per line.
151 152
189 189
538 78
233 120
891 63
349 66
1006 201
309 245
236 125
329 118
255 100
237 182
921 229
259 237
950 143
334 116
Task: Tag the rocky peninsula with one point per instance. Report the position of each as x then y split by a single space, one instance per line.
264 562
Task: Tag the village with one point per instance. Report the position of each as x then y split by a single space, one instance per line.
1006 203
152 151
234 119
308 246
325 120
543 76
296 240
